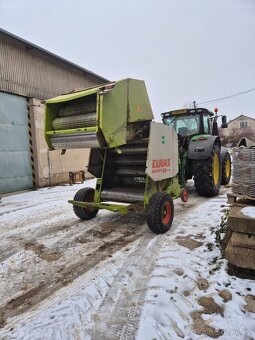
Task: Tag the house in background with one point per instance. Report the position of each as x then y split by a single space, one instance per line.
29 75
241 126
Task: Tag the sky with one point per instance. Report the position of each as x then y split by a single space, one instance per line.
184 50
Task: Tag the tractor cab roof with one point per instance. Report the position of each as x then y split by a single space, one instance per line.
186 112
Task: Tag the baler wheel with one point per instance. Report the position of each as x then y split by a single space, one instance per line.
160 212
85 195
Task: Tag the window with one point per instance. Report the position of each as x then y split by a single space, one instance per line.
206 124
243 125
184 125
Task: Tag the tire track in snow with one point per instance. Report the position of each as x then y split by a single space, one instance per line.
119 314
80 253
102 250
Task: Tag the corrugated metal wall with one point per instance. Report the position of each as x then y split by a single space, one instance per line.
15 163
30 72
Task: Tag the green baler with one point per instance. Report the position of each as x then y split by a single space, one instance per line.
134 159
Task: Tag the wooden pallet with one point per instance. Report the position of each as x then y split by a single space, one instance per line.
77 176
233 198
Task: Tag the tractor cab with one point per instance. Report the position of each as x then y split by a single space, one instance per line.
200 152
193 122
190 122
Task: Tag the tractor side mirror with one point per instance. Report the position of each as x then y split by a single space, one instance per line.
224 123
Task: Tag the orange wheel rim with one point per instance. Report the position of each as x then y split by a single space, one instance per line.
167 212
185 195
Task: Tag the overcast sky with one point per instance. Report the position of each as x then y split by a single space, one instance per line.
185 50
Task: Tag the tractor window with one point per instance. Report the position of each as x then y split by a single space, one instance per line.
184 125
206 124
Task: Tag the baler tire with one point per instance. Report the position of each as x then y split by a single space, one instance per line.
226 169
85 195
204 172
160 212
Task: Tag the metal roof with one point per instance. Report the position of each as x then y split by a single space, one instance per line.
50 54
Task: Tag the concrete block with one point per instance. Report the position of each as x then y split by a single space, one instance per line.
240 257
243 240
239 222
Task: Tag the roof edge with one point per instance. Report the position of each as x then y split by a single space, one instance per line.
239 117
17 38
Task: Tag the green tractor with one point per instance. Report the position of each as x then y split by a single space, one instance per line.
200 151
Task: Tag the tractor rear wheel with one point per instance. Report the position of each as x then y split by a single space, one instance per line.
226 168
160 212
207 174
85 195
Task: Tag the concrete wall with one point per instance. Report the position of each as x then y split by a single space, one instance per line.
51 167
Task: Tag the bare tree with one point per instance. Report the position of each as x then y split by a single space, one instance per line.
235 134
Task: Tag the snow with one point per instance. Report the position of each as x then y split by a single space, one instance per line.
249 212
127 283
167 308
72 308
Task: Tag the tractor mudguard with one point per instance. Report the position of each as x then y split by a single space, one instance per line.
200 147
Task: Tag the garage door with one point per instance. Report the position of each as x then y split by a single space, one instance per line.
15 165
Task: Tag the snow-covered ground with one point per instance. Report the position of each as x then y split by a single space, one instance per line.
112 278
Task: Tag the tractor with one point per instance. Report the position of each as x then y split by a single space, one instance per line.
201 156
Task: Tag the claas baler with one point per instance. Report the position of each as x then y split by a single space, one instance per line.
134 159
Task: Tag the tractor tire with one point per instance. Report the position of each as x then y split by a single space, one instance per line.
85 195
160 212
226 169
207 174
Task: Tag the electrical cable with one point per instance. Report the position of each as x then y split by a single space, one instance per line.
227 97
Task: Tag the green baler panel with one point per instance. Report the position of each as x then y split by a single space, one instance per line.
117 104
113 114
139 107
53 105
72 96
50 114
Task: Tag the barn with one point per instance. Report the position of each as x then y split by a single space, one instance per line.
29 75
